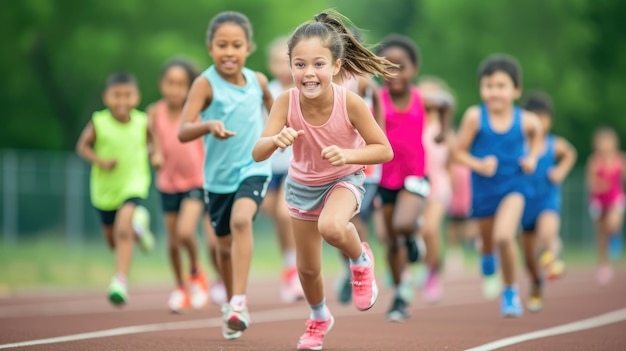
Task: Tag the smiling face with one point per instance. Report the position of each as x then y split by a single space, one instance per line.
174 86
229 49
407 71
498 91
121 98
312 67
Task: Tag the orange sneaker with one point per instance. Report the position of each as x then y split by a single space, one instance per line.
199 290
179 300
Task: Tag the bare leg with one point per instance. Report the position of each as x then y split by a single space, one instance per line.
173 245
124 238
242 242
505 227
190 212
309 259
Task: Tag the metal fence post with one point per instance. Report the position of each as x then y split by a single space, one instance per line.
10 189
74 190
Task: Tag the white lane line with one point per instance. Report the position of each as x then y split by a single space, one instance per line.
268 316
589 323
260 317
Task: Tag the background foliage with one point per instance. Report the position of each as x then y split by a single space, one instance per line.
57 53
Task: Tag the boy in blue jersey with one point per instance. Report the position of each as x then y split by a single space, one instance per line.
491 142
541 219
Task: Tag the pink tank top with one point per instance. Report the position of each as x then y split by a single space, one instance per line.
405 132
437 164
307 166
182 162
610 174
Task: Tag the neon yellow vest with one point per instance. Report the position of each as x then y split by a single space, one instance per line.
126 143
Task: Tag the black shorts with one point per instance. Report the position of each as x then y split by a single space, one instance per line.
419 186
107 218
221 205
170 202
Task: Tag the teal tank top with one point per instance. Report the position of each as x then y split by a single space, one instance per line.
229 162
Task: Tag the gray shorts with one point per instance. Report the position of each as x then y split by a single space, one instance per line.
305 202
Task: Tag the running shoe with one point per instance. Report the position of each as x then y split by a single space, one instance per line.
398 311
118 292
604 274
141 224
615 246
227 332
239 318
535 301
510 303
291 289
218 293
199 290
492 286
313 337
364 288
179 300
344 289
432 289
412 248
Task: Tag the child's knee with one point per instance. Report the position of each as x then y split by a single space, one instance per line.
124 233
332 231
308 273
240 222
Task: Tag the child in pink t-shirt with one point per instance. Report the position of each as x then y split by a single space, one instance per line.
333 134
179 181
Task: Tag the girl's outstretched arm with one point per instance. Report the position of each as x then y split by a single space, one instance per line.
156 156
268 100
275 134
199 98
534 135
377 148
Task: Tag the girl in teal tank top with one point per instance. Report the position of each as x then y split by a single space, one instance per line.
115 142
229 98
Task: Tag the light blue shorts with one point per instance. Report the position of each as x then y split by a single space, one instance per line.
305 202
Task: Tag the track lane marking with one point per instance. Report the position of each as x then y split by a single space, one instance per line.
584 324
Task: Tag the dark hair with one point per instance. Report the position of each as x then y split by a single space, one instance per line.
538 101
237 18
334 35
187 66
502 63
120 78
402 42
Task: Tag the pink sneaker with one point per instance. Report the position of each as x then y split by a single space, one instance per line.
432 289
313 337
604 275
364 288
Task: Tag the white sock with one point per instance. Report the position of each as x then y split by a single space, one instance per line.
319 312
362 260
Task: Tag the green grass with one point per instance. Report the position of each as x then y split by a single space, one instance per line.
50 263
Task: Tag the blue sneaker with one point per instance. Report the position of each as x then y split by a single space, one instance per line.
511 305
615 246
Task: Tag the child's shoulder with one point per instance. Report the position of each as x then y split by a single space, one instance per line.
472 113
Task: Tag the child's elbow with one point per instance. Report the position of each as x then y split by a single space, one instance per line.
388 156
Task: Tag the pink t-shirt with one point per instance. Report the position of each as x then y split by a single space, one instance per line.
610 176
307 166
405 131
182 162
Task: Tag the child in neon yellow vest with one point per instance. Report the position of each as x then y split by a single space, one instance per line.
115 142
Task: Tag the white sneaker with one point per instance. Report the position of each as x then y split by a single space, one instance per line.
199 291
227 332
178 301
239 318
218 293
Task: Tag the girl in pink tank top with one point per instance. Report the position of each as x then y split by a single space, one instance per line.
333 135
403 185
605 177
179 181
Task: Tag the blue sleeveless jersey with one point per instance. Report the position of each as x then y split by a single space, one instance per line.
229 162
546 195
508 148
